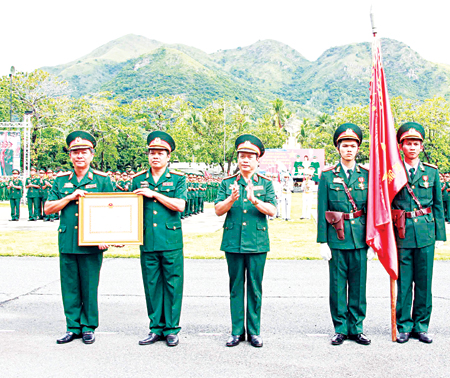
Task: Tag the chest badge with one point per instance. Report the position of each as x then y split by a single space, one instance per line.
144 184
361 183
425 179
68 185
91 186
338 180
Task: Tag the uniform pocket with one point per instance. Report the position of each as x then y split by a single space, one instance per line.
173 232
262 236
61 237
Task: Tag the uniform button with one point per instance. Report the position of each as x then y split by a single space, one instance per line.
245 211
352 222
264 229
415 209
413 187
76 214
66 192
415 220
156 189
154 200
76 227
174 228
76 202
60 231
244 224
350 189
154 224
245 200
258 195
155 212
351 211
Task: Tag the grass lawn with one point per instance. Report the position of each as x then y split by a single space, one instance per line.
294 240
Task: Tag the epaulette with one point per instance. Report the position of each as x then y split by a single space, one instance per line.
100 173
329 168
264 177
60 174
430 165
362 166
138 174
177 173
226 178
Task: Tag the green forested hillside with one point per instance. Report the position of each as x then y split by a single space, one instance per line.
134 66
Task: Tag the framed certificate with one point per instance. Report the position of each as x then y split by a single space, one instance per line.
111 218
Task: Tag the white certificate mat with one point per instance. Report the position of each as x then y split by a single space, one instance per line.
111 218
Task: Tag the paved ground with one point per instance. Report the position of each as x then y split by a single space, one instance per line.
296 326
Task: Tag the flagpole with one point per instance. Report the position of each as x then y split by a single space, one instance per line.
392 281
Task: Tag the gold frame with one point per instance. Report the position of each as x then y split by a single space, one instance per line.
82 207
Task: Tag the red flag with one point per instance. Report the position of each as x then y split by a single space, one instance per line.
387 174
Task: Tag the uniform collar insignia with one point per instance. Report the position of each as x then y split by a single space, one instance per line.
168 175
90 175
357 168
255 177
71 175
338 169
422 168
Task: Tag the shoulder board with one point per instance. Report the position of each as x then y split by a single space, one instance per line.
361 166
430 165
177 173
329 168
60 174
100 173
138 174
226 178
264 177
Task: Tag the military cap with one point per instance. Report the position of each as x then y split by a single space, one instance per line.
49 171
347 131
79 139
41 170
160 140
410 130
33 168
249 143
16 171
118 172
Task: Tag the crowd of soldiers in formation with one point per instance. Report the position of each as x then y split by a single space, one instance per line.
201 189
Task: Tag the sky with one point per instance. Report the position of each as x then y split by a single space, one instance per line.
47 32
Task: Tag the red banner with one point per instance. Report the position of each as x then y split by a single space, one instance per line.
387 174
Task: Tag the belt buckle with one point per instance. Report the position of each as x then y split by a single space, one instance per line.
414 214
350 216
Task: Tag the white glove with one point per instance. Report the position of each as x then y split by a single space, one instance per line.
438 244
325 251
371 254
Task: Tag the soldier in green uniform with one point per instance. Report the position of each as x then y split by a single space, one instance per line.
33 185
42 193
16 186
342 200
79 265
46 187
247 198
316 166
3 185
421 200
164 194
123 185
447 189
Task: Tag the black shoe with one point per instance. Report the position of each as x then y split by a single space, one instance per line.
403 337
422 336
12 220
234 340
338 339
31 220
67 338
360 338
88 337
172 340
152 338
256 341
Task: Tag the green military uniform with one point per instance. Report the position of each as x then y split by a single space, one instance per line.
316 166
42 194
46 187
79 265
348 264
416 250
33 197
3 186
447 188
162 252
245 242
445 201
15 197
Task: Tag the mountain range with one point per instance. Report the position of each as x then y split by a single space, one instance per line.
134 66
